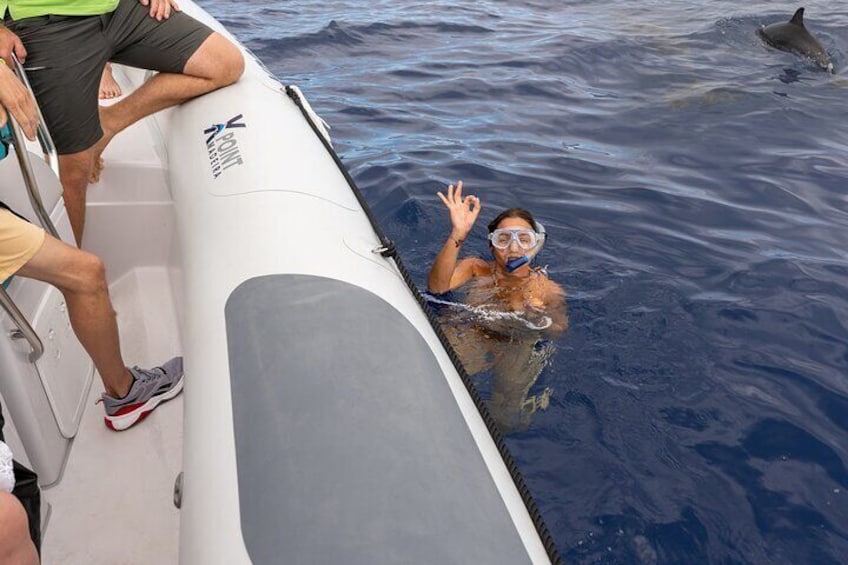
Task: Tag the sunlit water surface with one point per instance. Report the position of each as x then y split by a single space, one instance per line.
693 186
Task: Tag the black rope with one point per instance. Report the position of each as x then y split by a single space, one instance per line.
388 249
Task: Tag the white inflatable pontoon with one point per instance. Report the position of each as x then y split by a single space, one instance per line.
323 420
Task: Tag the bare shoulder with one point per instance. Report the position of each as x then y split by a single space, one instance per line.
467 269
475 266
551 290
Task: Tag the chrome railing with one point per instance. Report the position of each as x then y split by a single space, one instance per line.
43 133
19 141
24 328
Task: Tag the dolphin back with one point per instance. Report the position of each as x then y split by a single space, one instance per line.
798 18
793 36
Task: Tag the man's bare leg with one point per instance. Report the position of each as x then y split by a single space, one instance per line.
81 278
215 64
74 170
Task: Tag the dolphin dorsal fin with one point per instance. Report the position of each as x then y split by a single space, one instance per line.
798 18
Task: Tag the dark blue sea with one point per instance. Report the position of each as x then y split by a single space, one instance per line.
694 187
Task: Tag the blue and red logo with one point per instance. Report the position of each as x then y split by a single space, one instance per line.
223 146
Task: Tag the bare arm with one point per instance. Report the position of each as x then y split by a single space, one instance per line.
461 272
446 273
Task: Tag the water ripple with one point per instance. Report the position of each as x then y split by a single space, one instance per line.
691 180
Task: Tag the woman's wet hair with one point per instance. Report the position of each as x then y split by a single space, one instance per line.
512 213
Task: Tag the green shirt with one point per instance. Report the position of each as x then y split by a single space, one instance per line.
20 9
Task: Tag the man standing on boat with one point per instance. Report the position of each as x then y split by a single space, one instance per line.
131 394
26 250
66 45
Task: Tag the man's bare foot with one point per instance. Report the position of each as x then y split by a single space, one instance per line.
109 87
96 169
108 134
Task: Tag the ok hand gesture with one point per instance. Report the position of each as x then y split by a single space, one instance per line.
463 211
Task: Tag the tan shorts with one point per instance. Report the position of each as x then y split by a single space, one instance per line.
19 241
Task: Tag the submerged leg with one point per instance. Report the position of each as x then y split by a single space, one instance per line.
516 369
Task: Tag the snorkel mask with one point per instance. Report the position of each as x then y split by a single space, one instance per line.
528 240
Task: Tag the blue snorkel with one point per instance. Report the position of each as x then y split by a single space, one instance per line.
519 262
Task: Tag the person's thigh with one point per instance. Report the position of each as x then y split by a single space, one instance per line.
19 242
470 346
143 42
65 59
59 264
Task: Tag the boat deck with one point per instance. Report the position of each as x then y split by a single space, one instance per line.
114 502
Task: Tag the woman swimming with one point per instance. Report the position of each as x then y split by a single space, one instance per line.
510 310
509 280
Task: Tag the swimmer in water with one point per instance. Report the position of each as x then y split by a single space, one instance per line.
509 280
524 308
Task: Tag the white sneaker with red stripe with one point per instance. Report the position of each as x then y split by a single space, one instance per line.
149 389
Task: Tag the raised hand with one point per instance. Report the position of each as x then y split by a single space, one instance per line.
463 211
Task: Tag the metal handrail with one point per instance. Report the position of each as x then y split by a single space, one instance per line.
43 134
25 330
19 141
29 178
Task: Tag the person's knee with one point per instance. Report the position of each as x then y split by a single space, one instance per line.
75 169
232 64
218 60
15 543
92 273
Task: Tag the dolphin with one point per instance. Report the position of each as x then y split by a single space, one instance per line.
792 36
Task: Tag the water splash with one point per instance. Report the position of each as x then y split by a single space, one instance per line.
486 314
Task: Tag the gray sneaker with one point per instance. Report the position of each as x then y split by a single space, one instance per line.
149 389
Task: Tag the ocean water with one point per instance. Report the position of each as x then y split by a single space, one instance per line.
693 186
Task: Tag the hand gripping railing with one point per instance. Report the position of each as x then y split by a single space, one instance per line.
43 133
22 154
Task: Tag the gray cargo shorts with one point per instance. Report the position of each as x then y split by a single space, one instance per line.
66 56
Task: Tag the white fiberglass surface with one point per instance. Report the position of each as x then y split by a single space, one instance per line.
114 502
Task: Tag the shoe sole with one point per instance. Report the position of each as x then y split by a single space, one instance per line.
126 421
